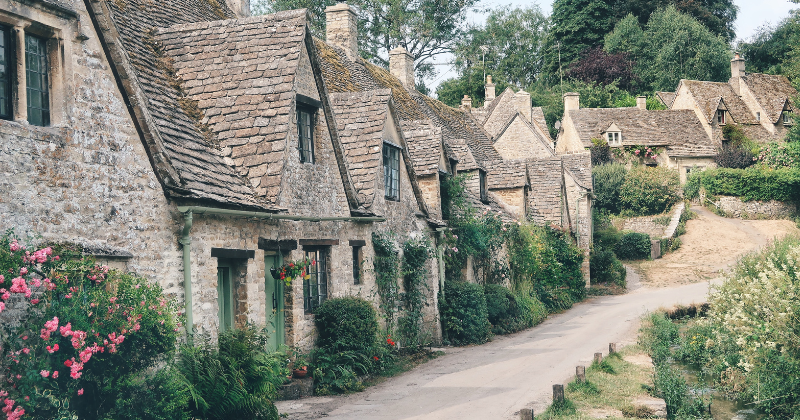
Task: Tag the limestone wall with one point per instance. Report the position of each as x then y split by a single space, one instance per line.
735 207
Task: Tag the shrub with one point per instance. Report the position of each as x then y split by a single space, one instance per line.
649 191
416 253
347 323
606 268
607 181
633 246
159 396
734 156
780 155
464 316
601 152
753 183
605 234
509 312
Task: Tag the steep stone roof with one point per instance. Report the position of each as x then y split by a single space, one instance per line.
771 91
360 120
466 161
579 165
640 127
537 117
505 174
708 96
240 76
666 98
547 143
692 150
499 113
544 176
424 142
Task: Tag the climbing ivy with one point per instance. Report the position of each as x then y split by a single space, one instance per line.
386 265
416 253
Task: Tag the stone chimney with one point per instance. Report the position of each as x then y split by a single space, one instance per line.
490 92
737 65
401 65
466 103
342 28
240 7
522 102
641 102
572 101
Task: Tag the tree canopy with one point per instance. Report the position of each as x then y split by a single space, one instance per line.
598 66
672 46
717 15
471 83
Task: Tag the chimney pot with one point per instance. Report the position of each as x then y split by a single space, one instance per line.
490 92
240 7
342 28
641 102
466 102
401 65
737 65
572 101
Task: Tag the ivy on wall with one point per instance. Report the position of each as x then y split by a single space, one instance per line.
386 265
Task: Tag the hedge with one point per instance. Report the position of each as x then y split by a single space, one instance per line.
749 184
347 323
465 319
633 246
511 312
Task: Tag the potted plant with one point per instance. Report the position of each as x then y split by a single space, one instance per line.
292 269
300 366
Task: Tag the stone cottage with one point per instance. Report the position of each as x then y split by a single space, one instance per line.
759 104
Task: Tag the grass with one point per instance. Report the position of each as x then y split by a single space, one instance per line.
612 393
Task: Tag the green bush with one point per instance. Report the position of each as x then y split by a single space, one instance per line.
605 234
649 191
633 246
162 395
347 323
607 181
606 268
755 183
465 319
509 312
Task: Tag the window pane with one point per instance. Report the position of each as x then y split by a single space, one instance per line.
5 72
36 80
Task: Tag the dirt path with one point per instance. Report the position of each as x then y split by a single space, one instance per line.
711 245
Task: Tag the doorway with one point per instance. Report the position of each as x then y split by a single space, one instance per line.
275 308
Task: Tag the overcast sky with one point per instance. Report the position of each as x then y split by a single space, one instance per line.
752 15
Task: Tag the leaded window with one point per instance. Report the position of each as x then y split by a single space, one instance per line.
721 117
391 172
483 185
7 69
786 119
37 81
305 134
225 297
315 286
357 264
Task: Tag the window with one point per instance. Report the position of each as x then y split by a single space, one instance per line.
36 69
357 258
786 119
721 116
391 172
305 134
7 68
758 116
315 287
225 297
482 181
444 194
614 138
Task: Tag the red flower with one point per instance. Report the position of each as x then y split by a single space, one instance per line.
375 357
68 363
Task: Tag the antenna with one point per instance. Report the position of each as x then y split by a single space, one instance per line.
484 48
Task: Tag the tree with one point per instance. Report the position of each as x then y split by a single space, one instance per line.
598 66
470 82
672 46
512 40
717 15
575 26
426 28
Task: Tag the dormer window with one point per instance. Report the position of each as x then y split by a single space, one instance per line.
483 185
721 116
758 116
305 133
391 172
786 119
614 138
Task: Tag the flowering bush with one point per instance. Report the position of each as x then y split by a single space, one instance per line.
643 154
780 155
72 331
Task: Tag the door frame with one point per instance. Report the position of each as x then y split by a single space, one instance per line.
279 301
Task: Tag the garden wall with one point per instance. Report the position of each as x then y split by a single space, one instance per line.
772 209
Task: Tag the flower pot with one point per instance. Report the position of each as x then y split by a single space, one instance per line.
300 373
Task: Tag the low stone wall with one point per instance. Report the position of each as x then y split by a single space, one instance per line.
735 207
644 225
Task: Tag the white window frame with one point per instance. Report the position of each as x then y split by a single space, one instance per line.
721 117
786 119
614 138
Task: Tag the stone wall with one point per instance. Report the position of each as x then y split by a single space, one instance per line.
429 185
519 141
735 207
645 224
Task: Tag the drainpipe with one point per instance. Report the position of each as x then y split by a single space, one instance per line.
186 241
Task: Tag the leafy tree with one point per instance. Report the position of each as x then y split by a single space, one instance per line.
766 51
716 15
672 46
512 40
575 26
469 83
426 28
598 66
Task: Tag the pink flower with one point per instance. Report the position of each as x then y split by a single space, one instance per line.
53 349
113 299
137 286
36 283
23 271
66 330
26 350
80 391
44 373
34 301
2 306
15 246
55 374
68 296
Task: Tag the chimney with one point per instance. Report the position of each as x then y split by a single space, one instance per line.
490 92
342 28
572 101
401 65
737 65
522 102
466 103
641 102
240 7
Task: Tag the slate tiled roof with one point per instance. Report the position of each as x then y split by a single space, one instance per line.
360 120
640 127
771 91
667 98
708 95
580 166
179 141
241 75
505 174
692 150
499 113
544 176
537 115
424 142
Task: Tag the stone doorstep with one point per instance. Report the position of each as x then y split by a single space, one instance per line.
297 389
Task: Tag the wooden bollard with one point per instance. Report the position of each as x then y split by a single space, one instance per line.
558 393
612 348
580 374
598 357
526 414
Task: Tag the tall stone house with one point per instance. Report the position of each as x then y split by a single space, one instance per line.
201 147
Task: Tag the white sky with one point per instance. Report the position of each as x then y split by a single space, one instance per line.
752 15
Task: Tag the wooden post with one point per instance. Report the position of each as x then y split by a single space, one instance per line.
526 414
612 348
598 357
580 374
558 393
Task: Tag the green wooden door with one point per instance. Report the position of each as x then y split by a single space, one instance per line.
225 297
275 314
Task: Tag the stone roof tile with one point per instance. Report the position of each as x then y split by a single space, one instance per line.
424 141
504 174
771 91
640 127
708 95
